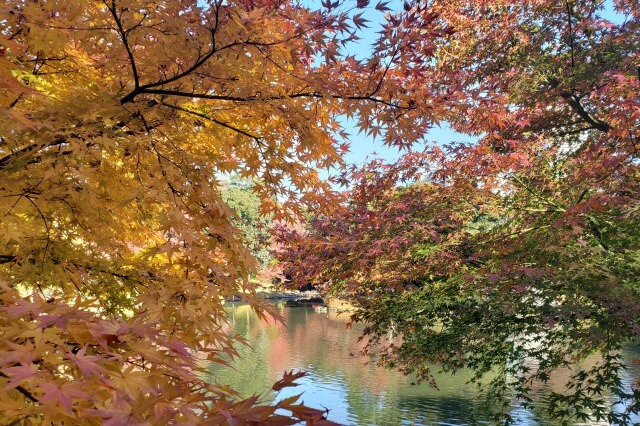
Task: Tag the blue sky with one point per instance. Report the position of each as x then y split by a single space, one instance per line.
364 148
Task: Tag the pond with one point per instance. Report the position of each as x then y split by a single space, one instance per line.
355 392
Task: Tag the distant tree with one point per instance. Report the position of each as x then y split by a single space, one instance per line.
241 197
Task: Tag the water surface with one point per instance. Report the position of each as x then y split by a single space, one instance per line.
354 390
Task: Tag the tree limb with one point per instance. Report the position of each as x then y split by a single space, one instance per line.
213 120
22 390
253 98
574 103
7 258
125 42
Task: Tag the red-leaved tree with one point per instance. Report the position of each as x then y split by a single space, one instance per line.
518 253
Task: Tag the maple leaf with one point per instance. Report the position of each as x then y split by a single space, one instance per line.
382 6
23 354
19 374
89 364
288 379
133 382
54 394
21 307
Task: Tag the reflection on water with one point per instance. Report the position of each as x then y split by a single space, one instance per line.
356 393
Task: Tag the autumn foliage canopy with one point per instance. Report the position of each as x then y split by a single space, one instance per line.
117 250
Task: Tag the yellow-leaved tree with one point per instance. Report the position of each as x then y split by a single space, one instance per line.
116 250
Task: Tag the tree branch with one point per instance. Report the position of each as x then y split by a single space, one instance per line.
125 42
574 103
595 230
253 98
571 41
256 138
213 120
22 390
574 131
537 195
7 258
7 159
141 88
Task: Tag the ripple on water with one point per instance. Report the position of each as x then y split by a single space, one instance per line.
357 393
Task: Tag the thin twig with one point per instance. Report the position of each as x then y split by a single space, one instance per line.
22 390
